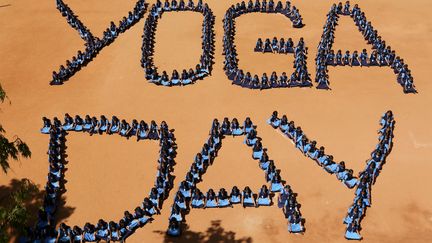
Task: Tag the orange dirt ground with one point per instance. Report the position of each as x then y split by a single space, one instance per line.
107 175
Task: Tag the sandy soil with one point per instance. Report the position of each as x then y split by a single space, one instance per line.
107 175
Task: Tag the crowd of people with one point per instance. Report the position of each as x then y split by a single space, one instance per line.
45 230
310 149
382 54
275 46
299 78
202 69
74 22
93 44
368 177
189 196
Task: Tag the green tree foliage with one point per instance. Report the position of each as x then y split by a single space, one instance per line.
10 149
13 211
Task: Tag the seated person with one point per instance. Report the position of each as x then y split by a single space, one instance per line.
102 232
167 6
185 77
141 216
143 130
352 232
235 196
79 123
257 150
259 46
347 59
211 199
133 129
264 162
149 207
236 130
267 46
153 131
69 123
289 46
284 196
330 58
295 224
165 81
46 125
226 127
64 233
282 45
176 214
276 183
174 228
293 81
251 138
197 199
175 78
124 128
223 199
248 198
264 82
180 200
335 167
271 7
311 150
255 84
248 125
123 230
339 61
283 126
89 233
274 121
185 190
114 233
264 197
274 80
275 45
247 81
239 77
114 126
77 234
364 58
373 60
154 197
355 59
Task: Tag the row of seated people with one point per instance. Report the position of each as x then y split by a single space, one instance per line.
92 125
189 196
355 59
271 7
299 78
383 56
275 46
309 148
94 44
231 61
73 21
45 229
220 200
186 77
55 183
287 199
368 177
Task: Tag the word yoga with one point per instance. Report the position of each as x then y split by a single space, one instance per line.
381 56
188 196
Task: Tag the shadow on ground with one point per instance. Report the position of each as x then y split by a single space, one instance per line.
33 203
214 234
